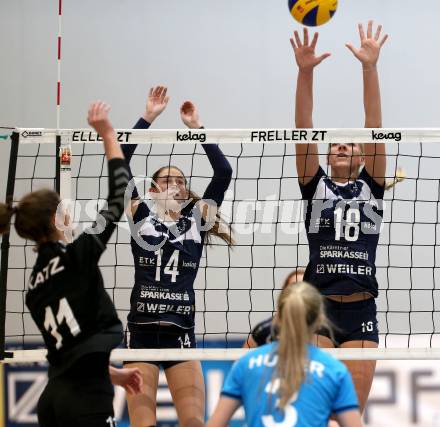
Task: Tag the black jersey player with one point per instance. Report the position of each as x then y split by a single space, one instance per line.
168 236
68 302
344 209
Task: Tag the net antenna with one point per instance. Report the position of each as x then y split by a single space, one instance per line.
5 245
236 288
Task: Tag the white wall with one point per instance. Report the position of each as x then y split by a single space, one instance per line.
231 57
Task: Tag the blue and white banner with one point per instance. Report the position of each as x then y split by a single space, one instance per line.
404 391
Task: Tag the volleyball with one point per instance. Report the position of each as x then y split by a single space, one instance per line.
313 12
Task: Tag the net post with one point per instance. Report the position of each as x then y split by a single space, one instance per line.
58 163
10 186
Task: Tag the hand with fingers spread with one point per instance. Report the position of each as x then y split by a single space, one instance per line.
369 51
190 115
98 119
156 103
305 53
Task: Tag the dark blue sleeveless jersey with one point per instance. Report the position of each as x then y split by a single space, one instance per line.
166 265
343 223
164 278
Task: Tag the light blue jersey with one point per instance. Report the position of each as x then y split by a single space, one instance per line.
328 389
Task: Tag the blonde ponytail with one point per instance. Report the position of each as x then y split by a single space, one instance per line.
292 356
301 314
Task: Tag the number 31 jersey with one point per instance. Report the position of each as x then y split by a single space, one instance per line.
66 295
68 302
343 222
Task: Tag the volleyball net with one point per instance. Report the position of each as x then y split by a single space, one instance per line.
237 286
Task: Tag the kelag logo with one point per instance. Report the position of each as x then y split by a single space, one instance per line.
379 136
189 136
4 137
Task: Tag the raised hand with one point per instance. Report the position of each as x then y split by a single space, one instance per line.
190 115
368 53
156 102
98 118
305 53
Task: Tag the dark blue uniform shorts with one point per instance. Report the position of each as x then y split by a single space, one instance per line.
352 321
158 336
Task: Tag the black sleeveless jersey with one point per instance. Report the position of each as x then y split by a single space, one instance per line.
66 295
167 255
343 222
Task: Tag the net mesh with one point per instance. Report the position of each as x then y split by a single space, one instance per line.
237 287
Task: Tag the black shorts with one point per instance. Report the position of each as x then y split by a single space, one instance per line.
353 321
81 396
158 336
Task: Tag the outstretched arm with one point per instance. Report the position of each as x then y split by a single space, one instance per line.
222 169
368 55
307 161
92 243
222 176
98 119
306 60
157 101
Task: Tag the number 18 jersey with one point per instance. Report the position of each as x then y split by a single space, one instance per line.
343 222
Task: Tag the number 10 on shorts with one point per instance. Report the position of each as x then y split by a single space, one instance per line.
367 326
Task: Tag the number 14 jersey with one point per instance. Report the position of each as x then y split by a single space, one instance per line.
166 259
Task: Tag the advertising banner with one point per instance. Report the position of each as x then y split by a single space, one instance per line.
404 394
